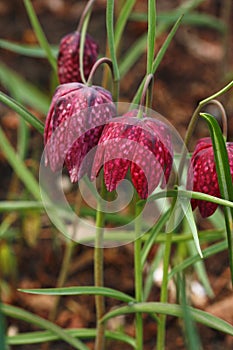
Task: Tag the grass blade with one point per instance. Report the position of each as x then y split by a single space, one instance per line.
82 333
153 235
26 50
19 167
173 310
122 20
40 34
23 112
159 57
187 210
24 91
26 316
107 292
190 331
132 55
214 249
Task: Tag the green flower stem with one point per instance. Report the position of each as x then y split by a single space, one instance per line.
164 293
194 120
99 270
85 12
82 45
40 34
146 97
138 276
69 248
161 332
111 46
151 35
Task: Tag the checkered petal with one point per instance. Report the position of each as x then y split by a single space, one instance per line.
68 57
74 124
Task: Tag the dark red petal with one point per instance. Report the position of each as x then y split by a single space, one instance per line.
74 124
68 57
205 180
114 172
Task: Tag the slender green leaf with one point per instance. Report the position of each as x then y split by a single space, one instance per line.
166 19
132 55
149 280
25 114
122 20
166 44
6 206
159 57
22 139
22 90
26 50
2 330
172 310
82 333
190 194
18 313
88 290
192 338
201 271
187 210
40 34
224 177
153 235
110 34
19 167
151 35
210 251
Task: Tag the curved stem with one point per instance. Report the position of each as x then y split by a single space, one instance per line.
96 66
146 97
223 115
82 46
193 122
99 271
86 10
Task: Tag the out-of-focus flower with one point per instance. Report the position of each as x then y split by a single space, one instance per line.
202 175
68 57
74 124
142 146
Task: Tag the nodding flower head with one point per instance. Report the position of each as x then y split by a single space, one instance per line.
202 175
68 57
142 146
74 125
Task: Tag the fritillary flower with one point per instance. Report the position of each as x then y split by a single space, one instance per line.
142 146
202 175
74 125
68 57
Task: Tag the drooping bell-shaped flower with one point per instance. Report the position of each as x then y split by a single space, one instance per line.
68 57
202 175
142 146
74 124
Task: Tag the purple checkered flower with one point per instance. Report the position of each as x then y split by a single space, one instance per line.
202 175
68 57
74 125
142 146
